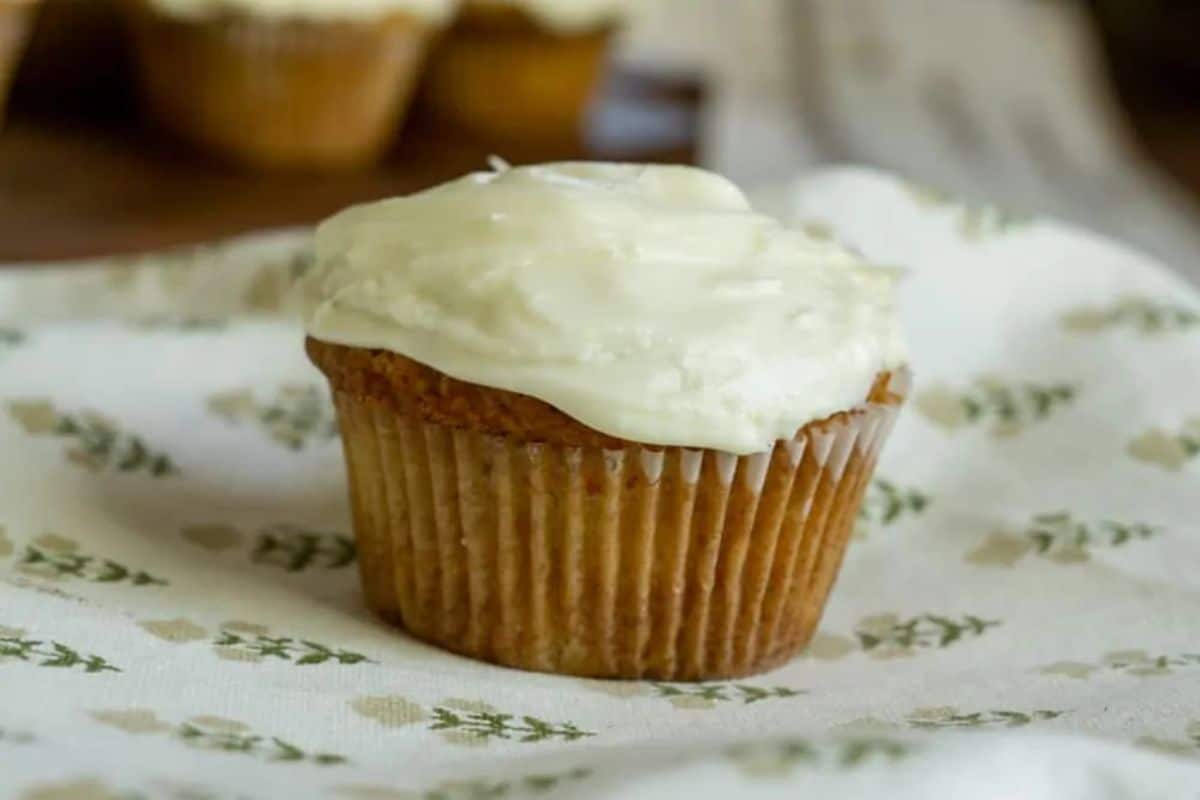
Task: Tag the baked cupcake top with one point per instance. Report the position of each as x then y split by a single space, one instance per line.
432 10
651 303
567 15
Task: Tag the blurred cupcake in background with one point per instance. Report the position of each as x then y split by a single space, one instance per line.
16 22
284 83
522 70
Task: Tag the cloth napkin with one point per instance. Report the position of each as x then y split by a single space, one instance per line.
1018 616
993 99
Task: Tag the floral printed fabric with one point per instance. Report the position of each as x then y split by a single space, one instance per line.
1019 615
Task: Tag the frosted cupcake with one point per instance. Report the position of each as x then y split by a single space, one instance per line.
602 420
284 83
515 71
16 23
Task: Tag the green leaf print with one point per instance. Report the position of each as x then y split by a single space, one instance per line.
299 414
97 443
1143 664
1170 450
937 718
100 443
1058 537
270 289
1135 663
981 222
889 632
51 654
300 652
976 222
856 751
67 564
267 748
1188 746
1057 533
465 722
16 737
184 324
1146 316
290 547
775 757
300 264
779 758
1006 408
10 339
486 789
296 549
485 725
724 692
886 503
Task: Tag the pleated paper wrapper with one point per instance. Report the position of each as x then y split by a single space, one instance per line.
663 563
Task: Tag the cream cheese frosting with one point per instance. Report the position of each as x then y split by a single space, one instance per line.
568 15
431 10
651 303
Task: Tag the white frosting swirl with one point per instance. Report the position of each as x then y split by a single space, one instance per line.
568 15
650 303
430 10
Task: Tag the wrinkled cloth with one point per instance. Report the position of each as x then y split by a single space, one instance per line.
1018 615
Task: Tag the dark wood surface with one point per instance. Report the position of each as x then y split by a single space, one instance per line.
77 187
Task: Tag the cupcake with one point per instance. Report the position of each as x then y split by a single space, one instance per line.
283 83
602 420
522 71
16 23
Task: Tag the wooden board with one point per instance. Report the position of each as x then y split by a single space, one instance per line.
83 186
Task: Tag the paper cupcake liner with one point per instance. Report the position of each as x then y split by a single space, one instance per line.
280 93
515 83
671 564
16 23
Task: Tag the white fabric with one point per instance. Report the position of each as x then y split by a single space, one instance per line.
978 643
997 100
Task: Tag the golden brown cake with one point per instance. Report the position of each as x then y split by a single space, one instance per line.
280 91
601 420
505 77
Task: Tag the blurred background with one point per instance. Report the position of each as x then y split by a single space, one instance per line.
133 125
